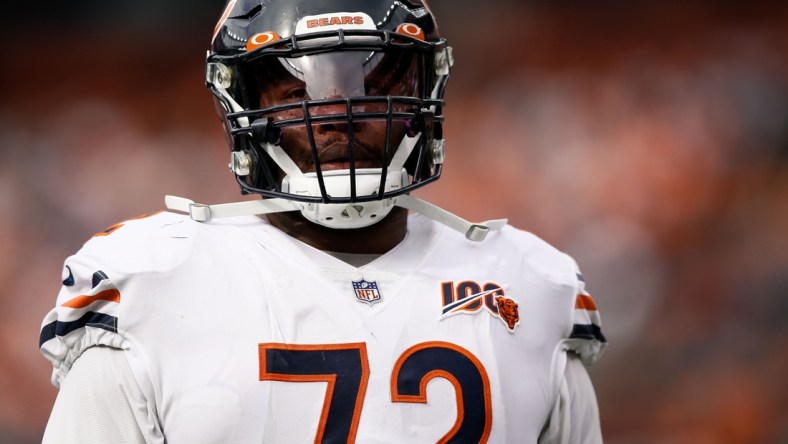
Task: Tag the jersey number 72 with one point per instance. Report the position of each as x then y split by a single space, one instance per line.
345 368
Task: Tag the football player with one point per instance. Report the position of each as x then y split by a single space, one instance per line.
337 308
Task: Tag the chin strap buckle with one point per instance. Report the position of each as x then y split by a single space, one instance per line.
477 233
474 232
204 213
200 212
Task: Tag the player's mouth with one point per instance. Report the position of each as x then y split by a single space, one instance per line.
336 157
344 164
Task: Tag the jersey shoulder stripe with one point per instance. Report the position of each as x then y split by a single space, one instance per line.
587 324
95 308
89 319
587 331
110 295
586 337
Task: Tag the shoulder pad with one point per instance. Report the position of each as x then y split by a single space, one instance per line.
543 258
155 242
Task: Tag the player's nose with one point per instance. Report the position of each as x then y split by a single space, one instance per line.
334 116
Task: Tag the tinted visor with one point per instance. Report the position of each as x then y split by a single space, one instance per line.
335 75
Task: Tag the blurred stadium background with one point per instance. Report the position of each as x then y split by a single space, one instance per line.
649 139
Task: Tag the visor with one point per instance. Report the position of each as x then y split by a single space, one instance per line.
338 75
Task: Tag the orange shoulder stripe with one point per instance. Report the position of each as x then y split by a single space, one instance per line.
111 295
585 302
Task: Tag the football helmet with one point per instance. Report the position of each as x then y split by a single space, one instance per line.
336 104
333 108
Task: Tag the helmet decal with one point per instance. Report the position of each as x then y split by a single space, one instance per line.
334 21
410 30
261 39
223 19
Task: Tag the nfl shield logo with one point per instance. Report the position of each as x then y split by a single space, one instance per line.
366 291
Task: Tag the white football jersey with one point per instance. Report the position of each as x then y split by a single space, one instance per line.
239 333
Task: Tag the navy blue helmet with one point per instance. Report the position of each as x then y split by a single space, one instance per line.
331 102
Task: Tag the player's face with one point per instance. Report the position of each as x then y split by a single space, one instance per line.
332 76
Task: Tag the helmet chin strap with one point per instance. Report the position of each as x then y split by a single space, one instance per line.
204 213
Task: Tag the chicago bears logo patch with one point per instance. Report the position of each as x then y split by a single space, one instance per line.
366 292
508 312
469 297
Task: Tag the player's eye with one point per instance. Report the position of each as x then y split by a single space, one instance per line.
296 93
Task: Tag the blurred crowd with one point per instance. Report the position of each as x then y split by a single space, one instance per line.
649 140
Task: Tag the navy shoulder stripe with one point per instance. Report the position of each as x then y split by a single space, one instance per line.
98 277
587 331
69 280
89 319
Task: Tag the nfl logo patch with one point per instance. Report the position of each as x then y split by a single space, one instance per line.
366 291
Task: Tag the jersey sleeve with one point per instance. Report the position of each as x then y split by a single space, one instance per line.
101 386
586 338
85 315
95 295
575 415
578 316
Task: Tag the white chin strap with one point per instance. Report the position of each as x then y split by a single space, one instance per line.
349 213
